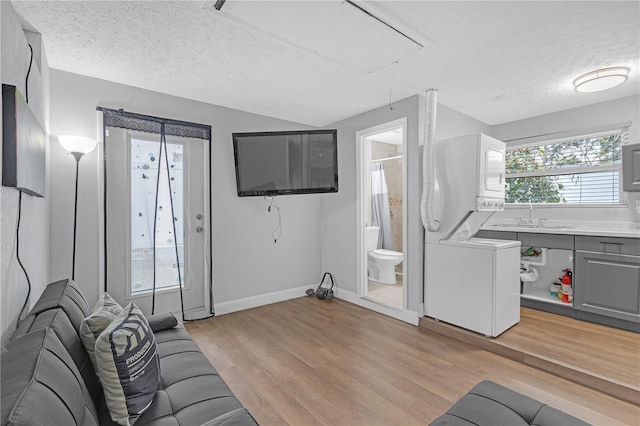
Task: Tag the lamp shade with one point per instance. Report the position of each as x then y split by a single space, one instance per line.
78 144
601 79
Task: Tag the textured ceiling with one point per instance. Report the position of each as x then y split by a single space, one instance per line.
494 61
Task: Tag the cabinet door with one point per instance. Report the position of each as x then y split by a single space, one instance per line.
555 241
497 235
607 284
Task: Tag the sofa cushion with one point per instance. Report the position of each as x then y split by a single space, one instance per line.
41 384
128 364
100 317
190 391
63 294
59 322
491 404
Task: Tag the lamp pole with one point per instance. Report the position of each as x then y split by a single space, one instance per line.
77 156
76 146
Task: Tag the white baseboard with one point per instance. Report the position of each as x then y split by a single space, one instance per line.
260 300
403 315
222 308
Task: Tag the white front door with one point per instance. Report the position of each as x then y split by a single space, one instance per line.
158 200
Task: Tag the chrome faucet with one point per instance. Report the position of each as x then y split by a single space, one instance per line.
529 222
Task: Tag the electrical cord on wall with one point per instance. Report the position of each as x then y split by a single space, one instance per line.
26 80
26 300
277 232
24 270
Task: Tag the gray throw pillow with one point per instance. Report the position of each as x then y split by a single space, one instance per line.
128 364
102 314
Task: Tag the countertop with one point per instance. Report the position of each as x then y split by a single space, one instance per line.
566 227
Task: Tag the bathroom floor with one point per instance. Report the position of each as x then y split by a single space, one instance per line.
386 294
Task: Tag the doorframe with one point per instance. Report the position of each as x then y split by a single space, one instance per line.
363 184
102 234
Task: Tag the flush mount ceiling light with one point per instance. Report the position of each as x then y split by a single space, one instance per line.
602 79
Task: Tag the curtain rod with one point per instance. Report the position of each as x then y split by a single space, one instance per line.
385 159
152 118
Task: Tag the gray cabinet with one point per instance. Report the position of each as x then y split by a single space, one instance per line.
552 241
607 277
497 235
631 167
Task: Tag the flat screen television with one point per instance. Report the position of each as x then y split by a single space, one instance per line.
282 163
23 145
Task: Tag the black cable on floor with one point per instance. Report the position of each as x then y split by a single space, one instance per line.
26 300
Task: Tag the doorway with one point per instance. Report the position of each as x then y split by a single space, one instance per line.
382 216
157 213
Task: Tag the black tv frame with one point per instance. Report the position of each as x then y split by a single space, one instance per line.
24 143
275 192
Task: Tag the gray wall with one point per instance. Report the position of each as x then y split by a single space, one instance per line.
34 227
246 262
604 113
339 211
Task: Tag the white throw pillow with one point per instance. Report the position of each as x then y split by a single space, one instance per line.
129 365
104 311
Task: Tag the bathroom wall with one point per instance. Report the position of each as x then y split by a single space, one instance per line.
393 177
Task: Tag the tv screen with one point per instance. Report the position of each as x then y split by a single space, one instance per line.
293 162
23 145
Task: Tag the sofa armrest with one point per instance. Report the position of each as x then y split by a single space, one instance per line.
164 321
489 403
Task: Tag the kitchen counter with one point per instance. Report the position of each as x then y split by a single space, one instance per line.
565 227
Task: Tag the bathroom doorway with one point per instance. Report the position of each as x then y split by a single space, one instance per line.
382 216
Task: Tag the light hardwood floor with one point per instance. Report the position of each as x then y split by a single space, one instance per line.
310 362
601 357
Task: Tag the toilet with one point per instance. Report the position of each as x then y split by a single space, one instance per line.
381 264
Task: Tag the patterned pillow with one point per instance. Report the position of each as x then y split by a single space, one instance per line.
129 365
104 311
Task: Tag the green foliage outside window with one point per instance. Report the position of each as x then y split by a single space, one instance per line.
544 164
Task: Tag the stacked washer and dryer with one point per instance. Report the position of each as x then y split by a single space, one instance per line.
473 283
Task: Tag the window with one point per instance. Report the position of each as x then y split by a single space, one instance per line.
576 170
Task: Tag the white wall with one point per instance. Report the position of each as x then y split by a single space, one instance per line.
246 262
339 211
34 227
616 111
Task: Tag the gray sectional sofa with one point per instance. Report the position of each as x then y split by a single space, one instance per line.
48 379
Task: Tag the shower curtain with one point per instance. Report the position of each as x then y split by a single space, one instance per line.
380 206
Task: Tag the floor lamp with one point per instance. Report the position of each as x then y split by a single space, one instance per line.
76 146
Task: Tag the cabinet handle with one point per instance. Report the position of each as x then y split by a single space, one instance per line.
607 242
